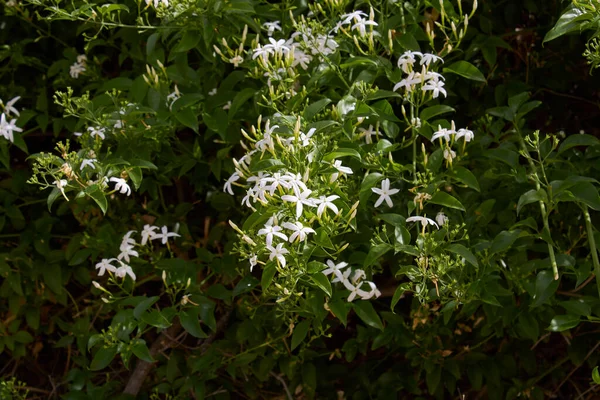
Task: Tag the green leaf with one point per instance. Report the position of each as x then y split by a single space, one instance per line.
144 305
188 117
465 176
141 351
596 376
246 284
240 99
23 337
375 253
434 111
52 197
103 357
395 220
587 194
444 199
100 199
532 196
463 252
135 174
545 286
433 378
156 319
503 241
398 294
466 70
577 307
315 108
300 332
576 141
365 188
569 21
340 309
339 153
563 322
189 40
322 282
267 275
191 323
323 239
366 312
266 164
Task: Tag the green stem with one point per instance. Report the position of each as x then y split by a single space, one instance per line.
592 242
542 204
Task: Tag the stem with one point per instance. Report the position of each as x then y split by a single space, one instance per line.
542 204
414 144
592 242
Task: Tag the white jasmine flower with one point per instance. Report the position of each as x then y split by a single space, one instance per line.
441 219
437 87
253 261
416 122
361 26
165 234
272 230
358 275
407 60
467 134
337 164
325 203
334 268
384 193
301 199
123 270
227 187
105 265
325 45
276 181
96 131
212 92
442 133
433 76
429 58
301 58
272 27
237 60
82 59
126 251
305 138
8 127
449 154
343 278
367 133
279 253
9 106
76 69
88 162
374 292
121 185
295 180
148 233
300 231
173 97
60 184
423 220
409 82
227 106
357 16
246 199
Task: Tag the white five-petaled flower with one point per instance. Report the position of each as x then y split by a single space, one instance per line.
212 92
337 164
227 187
367 133
355 15
436 87
305 137
165 234
407 60
384 193
121 185
326 202
9 106
300 231
148 233
272 230
423 220
442 133
334 268
96 132
105 265
76 69
7 128
467 134
441 219
449 154
124 270
272 27
429 58
301 199
237 60
361 26
409 82
278 252
60 184
88 162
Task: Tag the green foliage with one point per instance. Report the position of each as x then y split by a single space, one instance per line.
333 199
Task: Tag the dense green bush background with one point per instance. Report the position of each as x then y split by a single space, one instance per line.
520 334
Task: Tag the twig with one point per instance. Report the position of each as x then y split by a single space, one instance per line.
577 367
539 341
592 389
280 379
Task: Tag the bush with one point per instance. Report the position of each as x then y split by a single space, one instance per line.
241 198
